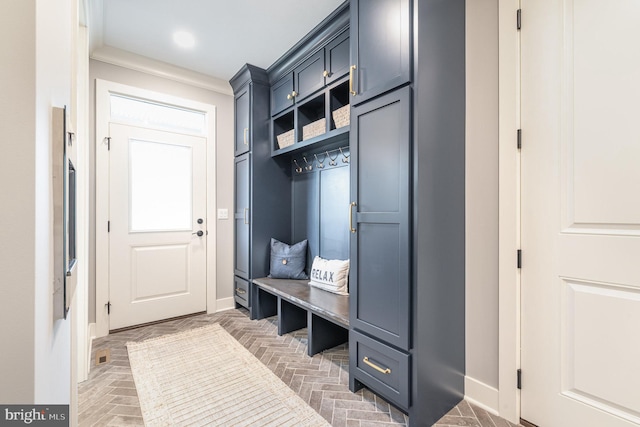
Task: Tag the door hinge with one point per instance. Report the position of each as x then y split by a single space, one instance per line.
519 375
108 305
519 138
108 143
108 226
519 258
519 19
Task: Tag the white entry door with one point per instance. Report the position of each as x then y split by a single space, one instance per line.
581 213
157 203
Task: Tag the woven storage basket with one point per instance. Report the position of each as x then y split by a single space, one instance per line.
341 116
314 129
285 139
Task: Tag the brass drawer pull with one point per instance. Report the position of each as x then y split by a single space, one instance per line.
240 291
386 371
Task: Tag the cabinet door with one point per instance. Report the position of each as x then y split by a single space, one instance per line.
309 76
281 94
242 118
336 58
242 215
380 285
380 46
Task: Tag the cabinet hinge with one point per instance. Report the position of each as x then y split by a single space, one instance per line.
519 19
108 143
108 226
519 376
108 305
519 258
519 138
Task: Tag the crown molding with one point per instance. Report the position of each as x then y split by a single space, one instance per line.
132 61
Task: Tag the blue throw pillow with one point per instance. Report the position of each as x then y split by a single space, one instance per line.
288 262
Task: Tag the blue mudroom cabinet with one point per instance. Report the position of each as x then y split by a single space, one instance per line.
386 191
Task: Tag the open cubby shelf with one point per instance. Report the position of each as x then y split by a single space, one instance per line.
318 107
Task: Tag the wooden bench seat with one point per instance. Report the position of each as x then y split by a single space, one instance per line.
298 305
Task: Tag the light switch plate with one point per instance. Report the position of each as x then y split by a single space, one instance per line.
223 213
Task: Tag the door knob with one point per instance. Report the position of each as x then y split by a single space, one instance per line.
200 233
200 221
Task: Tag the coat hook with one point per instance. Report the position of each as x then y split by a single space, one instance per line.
345 158
320 163
308 166
332 160
298 168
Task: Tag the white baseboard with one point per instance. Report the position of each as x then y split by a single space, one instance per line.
91 335
225 304
481 395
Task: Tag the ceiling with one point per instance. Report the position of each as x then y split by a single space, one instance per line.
228 33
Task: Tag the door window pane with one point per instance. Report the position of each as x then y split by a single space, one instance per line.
150 114
160 180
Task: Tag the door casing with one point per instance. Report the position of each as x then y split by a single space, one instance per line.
103 91
509 211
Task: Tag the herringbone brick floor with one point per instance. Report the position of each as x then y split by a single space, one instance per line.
109 397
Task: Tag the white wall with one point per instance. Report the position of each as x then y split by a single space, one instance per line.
482 202
35 76
224 167
17 215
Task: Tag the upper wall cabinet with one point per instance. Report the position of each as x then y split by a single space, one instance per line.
242 118
380 47
295 86
282 96
309 76
336 58
321 69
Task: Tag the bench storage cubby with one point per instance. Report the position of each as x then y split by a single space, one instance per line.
298 305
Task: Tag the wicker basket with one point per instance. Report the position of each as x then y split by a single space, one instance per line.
341 116
314 129
285 139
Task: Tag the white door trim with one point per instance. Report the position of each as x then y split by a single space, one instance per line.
103 90
80 119
509 211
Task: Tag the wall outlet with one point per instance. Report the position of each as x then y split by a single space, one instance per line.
223 213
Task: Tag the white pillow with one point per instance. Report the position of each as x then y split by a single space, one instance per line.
330 274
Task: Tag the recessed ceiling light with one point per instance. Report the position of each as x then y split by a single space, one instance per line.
184 39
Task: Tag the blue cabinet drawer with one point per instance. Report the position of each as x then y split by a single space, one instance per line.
241 291
382 369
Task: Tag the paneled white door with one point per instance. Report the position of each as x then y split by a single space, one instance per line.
581 213
157 238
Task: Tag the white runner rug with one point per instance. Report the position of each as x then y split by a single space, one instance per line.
204 377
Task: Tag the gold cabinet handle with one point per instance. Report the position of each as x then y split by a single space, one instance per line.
246 210
386 371
241 291
325 73
353 92
353 230
294 94
244 136
289 96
